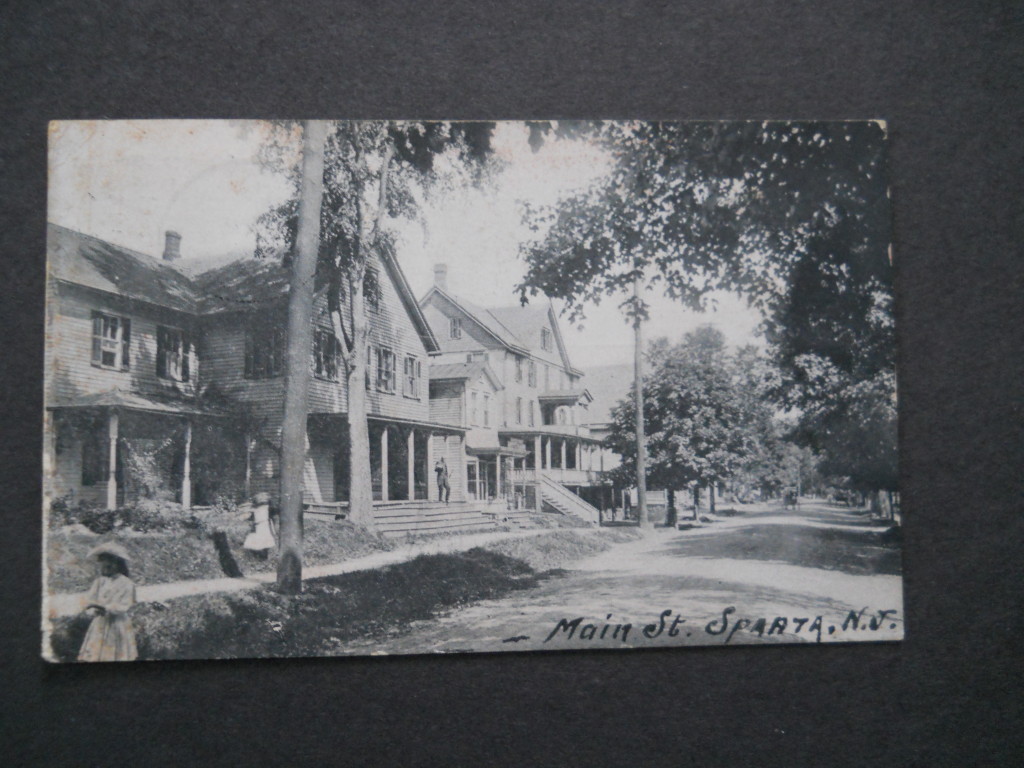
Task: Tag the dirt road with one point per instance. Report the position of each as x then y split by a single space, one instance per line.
820 574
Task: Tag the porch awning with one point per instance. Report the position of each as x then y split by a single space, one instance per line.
497 450
131 401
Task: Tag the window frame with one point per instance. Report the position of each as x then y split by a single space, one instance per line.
119 344
386 371
545 339
519 369
268 349
412 375
325 364
519 410
182 351
454 327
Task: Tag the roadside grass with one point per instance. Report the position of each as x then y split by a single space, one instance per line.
213 550
331 611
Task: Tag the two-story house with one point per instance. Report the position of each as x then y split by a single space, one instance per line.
538 411
148 370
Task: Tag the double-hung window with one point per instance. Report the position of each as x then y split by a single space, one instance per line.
264 353
385 370
111 341
532 373
455 327
487 410
411 379
326 354
545 339
173 353
519 410
519 370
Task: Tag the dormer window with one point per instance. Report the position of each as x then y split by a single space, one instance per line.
545 339
455 328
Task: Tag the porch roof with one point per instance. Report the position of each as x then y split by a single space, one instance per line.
132 401
497 450
431 425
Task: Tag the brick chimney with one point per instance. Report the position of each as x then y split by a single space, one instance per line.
441 276
172 246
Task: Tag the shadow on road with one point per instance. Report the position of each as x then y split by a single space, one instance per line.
847 549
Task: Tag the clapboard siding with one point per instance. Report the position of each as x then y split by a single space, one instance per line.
70 372
446 403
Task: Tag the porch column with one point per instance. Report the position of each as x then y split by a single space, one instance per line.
579 455
248 467
112 428
410 442
536 455
384 463
547 453
563 447
431 479
186 473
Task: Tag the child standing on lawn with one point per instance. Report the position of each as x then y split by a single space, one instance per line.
111 636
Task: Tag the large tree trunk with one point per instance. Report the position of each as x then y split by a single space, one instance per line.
300 336
671 516
360 491
696 501
711 498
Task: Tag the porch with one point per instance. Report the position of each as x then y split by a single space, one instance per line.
114 448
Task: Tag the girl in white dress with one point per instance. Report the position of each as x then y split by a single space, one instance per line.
111 636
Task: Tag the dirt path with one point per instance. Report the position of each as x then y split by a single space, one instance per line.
779 572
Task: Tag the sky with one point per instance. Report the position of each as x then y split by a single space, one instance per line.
129 181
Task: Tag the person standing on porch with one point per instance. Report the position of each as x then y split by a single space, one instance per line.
110 636
444 490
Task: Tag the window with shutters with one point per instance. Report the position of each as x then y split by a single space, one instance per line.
519 370
413 374
545 339
455 327
111 341
173 354
531 414
487 410
326 355
264 353
473 417
519 410
370 358
532 374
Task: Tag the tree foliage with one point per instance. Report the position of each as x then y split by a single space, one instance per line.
701 426
794 216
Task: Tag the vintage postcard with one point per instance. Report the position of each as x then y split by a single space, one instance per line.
324 388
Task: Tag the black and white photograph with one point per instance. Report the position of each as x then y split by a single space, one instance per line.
362 388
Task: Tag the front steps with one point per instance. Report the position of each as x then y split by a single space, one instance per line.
402 518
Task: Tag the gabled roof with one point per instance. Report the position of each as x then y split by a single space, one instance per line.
249 282
81 259
460 371
517 328
73 257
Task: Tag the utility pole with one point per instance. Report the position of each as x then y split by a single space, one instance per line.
641 444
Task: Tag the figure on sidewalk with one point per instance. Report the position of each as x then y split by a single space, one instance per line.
261 540
444 490
111 636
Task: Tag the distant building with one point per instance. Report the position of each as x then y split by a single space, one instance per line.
523 402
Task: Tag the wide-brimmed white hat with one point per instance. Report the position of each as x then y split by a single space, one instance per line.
111 548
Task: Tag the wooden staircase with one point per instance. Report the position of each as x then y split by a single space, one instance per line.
555 497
